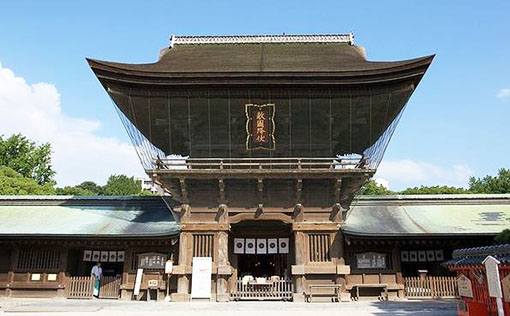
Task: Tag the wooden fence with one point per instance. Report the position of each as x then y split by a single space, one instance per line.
110 287
271 290
431 287
80 287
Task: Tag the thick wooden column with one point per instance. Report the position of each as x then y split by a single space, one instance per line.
298 269
183 280
224 270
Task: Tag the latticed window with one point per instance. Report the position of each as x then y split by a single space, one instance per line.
319 245
38 259
203 245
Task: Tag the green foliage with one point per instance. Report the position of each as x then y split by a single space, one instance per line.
490 184
119 184
372 188
435 190
91 186
25 157
76 190
13 183
503 237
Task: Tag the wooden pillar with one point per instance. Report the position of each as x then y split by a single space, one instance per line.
62 268
222 293
183 279
298 270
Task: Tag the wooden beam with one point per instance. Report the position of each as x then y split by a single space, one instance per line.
299 191
184 192
221 187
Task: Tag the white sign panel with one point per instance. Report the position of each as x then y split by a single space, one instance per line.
283 245
201 277
272 245
491 268
250 246
464 285
261 246
138 281
238 245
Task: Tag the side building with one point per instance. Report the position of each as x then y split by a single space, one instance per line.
49 243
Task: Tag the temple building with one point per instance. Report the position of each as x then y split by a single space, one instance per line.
261 138
261 144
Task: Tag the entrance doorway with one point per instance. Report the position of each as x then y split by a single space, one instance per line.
261 258
263 265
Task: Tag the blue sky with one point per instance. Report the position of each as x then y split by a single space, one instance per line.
455 125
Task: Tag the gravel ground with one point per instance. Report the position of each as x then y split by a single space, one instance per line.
63 307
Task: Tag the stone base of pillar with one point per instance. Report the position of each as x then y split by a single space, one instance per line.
125 295
180 297
61 293
298 297
223 297
345 296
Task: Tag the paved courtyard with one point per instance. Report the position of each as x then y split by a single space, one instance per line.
62 307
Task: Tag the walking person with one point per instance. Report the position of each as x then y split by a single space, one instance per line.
96 272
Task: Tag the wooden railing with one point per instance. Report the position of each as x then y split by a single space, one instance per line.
259 163
80 287
431 287
110 287
271 290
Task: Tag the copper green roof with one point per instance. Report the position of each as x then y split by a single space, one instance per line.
428 215
85 216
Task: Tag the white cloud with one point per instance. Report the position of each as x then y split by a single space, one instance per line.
404 173
381 181
504 93
34 110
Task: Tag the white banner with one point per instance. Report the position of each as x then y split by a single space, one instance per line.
250 246
283 245
238 245
201 277
272 245
261 246
87 255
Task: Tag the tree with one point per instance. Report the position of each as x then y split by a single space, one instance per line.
435 190
373 188
490 184
84 188
25 157
92 187
503 237
13 183
122 185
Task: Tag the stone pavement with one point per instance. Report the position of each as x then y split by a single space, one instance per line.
63 307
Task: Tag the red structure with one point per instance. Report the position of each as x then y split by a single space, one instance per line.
469 263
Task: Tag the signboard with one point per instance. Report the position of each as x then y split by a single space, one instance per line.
138 281
464 285
371 260
152 261
201 277
492 271
491 268
260 126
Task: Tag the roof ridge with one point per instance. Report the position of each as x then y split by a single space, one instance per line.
250 39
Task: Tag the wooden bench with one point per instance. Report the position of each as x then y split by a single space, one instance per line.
335 287
364 285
